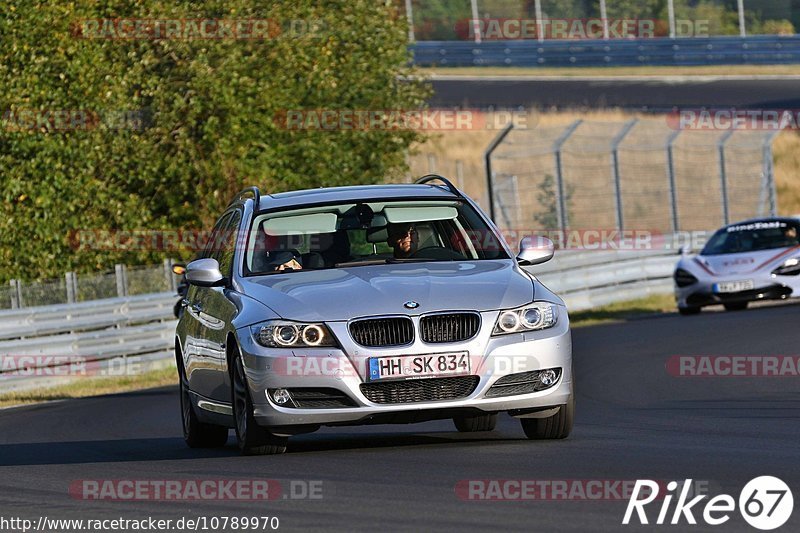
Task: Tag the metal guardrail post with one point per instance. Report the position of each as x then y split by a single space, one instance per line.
72 287
768 179
561 201
410 17
673 191
723 177
615 142
122 280
16 294
487 159
431 163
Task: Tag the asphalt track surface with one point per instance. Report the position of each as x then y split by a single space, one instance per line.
633 421
651 94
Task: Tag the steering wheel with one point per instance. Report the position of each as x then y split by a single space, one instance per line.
279 257
437 252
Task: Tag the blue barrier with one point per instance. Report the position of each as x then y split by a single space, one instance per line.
763 49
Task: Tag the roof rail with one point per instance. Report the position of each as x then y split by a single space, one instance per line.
431 177
256 194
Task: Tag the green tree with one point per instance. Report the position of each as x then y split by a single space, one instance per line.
209 108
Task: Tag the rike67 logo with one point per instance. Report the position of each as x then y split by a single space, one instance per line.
765 503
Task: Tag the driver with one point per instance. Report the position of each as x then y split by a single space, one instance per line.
402 239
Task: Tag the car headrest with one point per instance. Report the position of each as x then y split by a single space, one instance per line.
375 235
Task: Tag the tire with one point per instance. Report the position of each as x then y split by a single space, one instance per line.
736 306
558 426
469 424
198 434
251 438
687 311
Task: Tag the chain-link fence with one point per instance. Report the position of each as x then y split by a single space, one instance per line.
72 288
639 174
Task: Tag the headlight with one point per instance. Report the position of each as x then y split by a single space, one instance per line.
538 315
684 278
791 267
285 334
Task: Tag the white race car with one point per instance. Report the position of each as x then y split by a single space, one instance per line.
756 259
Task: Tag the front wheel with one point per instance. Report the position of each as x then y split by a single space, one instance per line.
198 434
468 424
557 426
251 438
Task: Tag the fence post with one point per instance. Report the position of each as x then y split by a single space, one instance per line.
410 17
768 179
16 294
487 160
673 191
122 280
615 142
561 201
460 174
171 285
431 163
723 176
72 287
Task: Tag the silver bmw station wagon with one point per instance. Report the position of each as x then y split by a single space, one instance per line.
364 305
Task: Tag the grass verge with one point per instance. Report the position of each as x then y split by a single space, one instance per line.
714 70
621 311
83 387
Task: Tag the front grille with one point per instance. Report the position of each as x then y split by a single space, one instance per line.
307 398
420 390
379 332
521 383
451 327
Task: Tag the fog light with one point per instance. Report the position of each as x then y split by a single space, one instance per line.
547 377
281 396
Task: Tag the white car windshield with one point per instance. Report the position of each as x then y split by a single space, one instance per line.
752 237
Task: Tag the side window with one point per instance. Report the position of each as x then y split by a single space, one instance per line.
224 254
212 245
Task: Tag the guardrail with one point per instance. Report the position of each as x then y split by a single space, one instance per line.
98 331
590 279
766 49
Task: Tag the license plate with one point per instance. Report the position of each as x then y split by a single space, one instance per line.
734 286
418 366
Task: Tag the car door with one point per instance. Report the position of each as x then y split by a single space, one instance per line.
201 358
218 311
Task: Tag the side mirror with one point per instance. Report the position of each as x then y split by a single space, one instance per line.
204 273
535 250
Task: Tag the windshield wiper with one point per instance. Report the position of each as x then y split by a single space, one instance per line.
388 261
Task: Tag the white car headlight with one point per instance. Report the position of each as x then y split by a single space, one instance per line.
285 334
538 315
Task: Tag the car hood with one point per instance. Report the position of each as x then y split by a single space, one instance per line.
746 262
346 293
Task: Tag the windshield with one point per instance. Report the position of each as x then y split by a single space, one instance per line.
359 234
753 237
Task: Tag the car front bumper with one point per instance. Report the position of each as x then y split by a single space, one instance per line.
344 370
